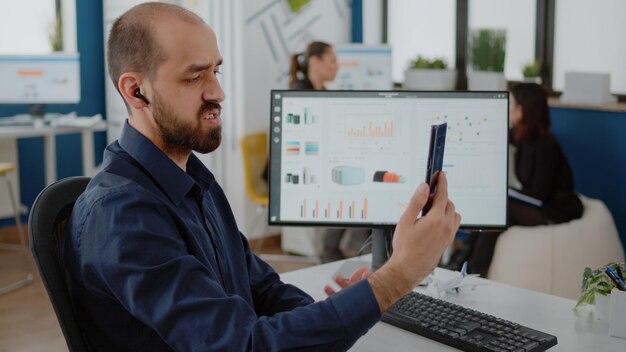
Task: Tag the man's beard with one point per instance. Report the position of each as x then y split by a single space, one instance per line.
180 134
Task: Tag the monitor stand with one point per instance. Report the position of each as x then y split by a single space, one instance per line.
381 246
37 110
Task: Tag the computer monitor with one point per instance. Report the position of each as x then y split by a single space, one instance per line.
40 79
354 158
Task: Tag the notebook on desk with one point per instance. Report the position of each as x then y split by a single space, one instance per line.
517 195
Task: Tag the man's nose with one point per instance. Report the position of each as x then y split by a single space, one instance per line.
213 91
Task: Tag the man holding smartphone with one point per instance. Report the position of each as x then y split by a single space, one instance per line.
154 257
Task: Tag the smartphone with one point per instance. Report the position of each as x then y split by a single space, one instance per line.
435 160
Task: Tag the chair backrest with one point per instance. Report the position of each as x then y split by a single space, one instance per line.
47 228
254 152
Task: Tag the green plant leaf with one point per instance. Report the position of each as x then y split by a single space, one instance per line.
532 69
55 34
424 63
586 298
595 281
487 49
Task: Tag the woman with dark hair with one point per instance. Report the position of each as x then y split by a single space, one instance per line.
314 67
541 168
540 165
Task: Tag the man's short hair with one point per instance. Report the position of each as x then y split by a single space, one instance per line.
132 45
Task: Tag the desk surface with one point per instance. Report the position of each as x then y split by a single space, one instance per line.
83 126
47 130
575 330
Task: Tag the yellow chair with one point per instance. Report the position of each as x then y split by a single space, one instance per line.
254 152
5 170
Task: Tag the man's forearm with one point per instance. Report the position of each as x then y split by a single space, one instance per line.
389 285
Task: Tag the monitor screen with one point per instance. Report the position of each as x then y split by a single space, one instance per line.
354 158
40 79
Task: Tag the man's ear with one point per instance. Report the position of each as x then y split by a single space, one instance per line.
128 84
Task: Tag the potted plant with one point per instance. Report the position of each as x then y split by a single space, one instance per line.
596 288
55 34
532 72
426 74
487 53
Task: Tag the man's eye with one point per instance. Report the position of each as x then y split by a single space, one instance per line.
194 79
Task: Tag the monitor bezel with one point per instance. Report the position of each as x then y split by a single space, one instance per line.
373 225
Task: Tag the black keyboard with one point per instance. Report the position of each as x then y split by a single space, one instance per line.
464 328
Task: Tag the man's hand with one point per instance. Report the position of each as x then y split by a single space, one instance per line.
417 244
360 274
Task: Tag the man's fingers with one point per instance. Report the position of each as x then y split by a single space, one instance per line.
450 208
440 199
417 202
341 281
328 290
359 274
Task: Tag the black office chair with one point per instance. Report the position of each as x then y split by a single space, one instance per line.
47 228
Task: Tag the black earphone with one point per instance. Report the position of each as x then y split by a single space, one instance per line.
140 96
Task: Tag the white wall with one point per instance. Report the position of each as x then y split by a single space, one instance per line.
518 18
420 27
372 22
271 35
24 26
590 38
68 14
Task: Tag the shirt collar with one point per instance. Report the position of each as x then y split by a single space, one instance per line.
175 182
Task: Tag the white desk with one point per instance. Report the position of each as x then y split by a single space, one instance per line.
49 133
575 330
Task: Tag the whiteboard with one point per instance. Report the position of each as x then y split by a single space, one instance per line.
363 67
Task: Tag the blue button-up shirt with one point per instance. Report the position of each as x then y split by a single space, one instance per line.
155 262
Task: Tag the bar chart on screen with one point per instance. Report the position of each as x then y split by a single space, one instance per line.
378 127
334 210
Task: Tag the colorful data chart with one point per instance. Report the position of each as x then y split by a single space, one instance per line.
307 178
372 129
292 178
296 119
293 147
316 209
388 177
464 128
348 175
293 119
311 148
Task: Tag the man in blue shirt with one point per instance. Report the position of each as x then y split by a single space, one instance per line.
154 258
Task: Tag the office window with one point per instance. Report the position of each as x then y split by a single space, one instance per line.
420 27
518 18
590 38
25 26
